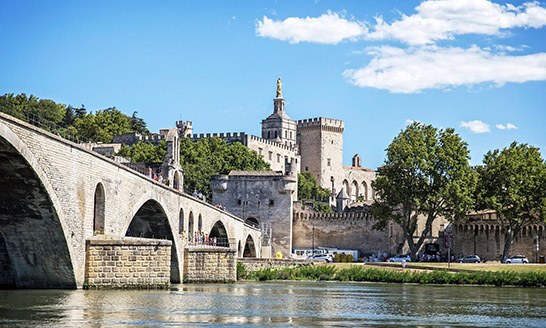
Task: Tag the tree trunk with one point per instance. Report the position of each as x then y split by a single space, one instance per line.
508 237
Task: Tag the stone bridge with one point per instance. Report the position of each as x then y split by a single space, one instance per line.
56 194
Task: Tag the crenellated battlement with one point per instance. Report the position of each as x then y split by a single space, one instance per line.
272 143
333 218
321 122
228 136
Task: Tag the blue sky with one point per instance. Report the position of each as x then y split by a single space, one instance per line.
474 65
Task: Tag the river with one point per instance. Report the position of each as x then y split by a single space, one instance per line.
278 304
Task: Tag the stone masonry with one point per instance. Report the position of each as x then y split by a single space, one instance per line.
263 198
114 262
208 264
49 206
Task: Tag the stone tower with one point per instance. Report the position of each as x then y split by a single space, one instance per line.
320 141
278 127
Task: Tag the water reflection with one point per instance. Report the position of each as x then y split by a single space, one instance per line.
279 304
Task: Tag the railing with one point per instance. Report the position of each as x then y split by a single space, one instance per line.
213 242
40 122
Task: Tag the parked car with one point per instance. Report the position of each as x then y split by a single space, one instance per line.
470 259
517 259
399 258
321 257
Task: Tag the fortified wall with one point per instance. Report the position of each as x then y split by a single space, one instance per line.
345 231
485 238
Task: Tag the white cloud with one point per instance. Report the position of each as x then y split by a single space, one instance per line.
409 122
329 28
508 126
415 69
476 126
442 20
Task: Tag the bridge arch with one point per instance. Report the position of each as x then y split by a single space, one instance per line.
250 247
30 219
151 221
219 232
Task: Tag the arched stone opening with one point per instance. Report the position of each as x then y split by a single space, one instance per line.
219 232
181 222
176 181
200 224
34 241
354 190
98 213
150 221
190 224
253 222
250 248
239 249
364 190
346 187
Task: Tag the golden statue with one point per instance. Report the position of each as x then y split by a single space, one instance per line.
279 85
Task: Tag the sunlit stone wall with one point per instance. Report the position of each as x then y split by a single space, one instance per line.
127 263
210 264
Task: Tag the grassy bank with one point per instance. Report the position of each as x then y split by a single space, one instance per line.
360 273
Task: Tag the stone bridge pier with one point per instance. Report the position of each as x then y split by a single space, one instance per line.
55 195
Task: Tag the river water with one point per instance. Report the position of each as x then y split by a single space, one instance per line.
278 304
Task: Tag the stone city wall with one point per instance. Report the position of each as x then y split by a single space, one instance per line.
229 137
127 263
210 264
485 238
344 231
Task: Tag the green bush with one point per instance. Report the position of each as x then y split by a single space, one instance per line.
358 273
241 271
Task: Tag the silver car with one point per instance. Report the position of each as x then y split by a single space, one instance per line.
517 259
469 259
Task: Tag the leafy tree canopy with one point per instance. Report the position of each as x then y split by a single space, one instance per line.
426 173
42 108
100 126
145 152
309 190
201 160
513 183
212 156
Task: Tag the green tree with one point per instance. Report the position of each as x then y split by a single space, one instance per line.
200 160
145 152
513 183
44 110
309 190
212 156
104 125
426 173
138 124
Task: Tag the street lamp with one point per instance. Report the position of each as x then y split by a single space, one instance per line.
313 253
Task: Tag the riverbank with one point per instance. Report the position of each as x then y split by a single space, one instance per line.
393 275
